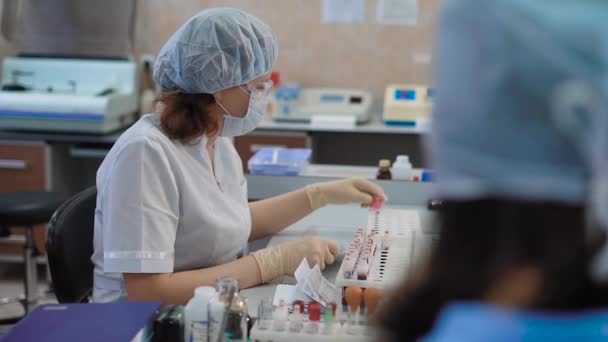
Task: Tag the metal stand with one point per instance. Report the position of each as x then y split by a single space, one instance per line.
30 299
31 272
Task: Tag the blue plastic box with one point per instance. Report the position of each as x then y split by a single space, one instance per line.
273 161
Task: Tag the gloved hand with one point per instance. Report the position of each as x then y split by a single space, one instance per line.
285 258
351 190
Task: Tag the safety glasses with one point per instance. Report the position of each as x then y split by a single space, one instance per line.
262 88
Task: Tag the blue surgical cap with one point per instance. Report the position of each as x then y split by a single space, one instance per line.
522 100
216 49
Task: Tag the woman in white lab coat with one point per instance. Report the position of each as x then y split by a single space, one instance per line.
172 211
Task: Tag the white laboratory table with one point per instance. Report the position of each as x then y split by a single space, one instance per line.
398 192
363 144
375 126
334 222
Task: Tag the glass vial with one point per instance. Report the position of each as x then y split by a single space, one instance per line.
384 172
235 326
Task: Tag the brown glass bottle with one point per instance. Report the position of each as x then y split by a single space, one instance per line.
384 172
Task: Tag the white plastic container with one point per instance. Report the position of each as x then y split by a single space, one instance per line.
196 320
402 169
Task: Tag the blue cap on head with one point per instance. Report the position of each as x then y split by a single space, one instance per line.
522 104
216 49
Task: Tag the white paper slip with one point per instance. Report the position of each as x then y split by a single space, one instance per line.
289 294
302 271
312 283
397 12
326 290
342 11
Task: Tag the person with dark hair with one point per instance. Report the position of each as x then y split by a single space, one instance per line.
172 208
520 145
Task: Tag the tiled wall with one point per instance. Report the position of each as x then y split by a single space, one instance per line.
367 56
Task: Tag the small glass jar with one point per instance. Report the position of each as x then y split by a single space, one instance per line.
384 170
231 325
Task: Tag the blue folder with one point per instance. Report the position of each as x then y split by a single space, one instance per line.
119 321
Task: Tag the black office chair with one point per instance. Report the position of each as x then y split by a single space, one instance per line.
69 247
27 209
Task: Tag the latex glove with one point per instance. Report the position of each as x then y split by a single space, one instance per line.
351 190
284 259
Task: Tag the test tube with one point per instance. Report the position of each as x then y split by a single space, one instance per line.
376 203
341 315
328 322
386 241
280 317
265 313
314 316
362 270
300 304
353 296
296 319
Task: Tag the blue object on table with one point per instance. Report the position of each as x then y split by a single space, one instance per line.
428 176
119 321
273 161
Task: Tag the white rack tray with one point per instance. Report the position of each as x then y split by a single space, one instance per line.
364 334
391 266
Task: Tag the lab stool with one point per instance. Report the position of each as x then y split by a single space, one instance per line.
27 209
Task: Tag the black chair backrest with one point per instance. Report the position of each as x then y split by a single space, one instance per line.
69 246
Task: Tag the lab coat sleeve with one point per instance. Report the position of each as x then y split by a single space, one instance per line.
141 211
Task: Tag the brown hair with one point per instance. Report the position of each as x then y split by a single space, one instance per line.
186 116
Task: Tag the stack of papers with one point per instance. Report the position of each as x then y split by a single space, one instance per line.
312 282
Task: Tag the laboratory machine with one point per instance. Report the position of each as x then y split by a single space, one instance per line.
405 105
294 104
68 95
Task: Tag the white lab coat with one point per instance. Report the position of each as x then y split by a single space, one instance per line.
162 209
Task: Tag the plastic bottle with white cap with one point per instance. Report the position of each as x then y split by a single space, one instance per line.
196 324
402 168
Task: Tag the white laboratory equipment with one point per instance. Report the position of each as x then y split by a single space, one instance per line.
196 315
301 105
68 95
405 105
402 169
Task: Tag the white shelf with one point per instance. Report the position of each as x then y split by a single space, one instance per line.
375 126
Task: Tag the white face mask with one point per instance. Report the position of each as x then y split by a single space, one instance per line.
258 102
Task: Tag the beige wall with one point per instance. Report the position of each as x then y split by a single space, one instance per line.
367 56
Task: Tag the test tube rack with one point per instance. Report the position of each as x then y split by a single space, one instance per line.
399 229
340 333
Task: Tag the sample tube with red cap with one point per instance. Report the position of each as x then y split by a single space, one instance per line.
314 317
